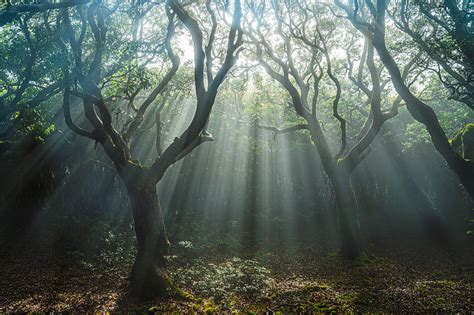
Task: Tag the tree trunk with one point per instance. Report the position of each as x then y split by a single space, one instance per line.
149 277
346 209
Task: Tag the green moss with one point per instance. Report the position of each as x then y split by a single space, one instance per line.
209 307
314 287
463 142
184 295
232 301
349 299
135 162
177 292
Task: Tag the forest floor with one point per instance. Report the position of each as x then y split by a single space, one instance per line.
422 279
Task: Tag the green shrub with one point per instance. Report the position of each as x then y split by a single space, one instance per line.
219 281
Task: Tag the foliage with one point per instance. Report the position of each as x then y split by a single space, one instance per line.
106 244
415 136
220 280
445 33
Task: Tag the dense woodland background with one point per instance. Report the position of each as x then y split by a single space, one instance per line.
296 155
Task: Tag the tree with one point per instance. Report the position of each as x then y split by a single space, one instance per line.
303 32
149 275
370 20
106 55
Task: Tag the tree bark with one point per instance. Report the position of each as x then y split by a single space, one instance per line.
346 210
149 277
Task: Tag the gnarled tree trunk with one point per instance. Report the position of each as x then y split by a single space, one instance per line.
149 277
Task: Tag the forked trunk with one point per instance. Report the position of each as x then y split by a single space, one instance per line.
149 277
